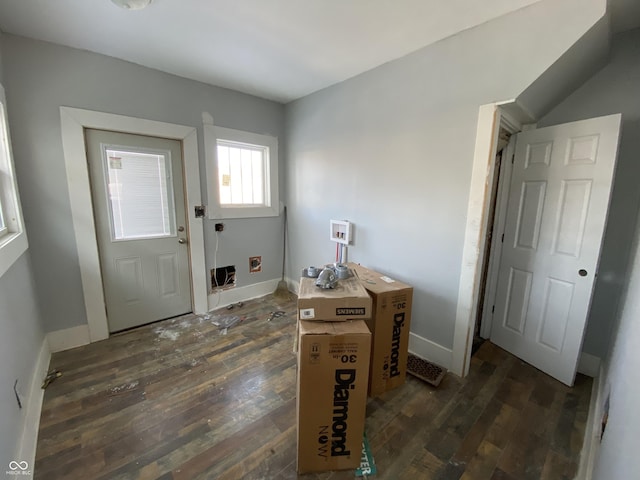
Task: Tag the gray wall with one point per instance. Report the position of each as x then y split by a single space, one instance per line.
585 57
21 338
39 78
618 453
613 332
1 68
614 89
392 150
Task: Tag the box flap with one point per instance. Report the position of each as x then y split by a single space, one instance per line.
349 300
377 282
347 288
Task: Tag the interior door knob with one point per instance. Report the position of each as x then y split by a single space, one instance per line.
182 240
582 272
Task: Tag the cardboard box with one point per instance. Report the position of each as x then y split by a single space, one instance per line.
333 374
347 301
389 325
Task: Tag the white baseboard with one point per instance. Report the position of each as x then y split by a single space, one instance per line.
68 338
31 422
591 442
431 351
294 285
77 336
241 294
588 364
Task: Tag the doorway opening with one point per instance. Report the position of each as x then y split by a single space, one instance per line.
492 117
554 216
480 335
73 121
557 201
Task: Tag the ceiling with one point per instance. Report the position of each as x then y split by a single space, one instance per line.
277 49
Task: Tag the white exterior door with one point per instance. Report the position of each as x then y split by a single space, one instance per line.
138 201
556 216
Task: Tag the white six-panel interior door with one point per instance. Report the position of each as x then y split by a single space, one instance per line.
556 216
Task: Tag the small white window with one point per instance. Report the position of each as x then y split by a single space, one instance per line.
243 173
13 239
3 225
7 174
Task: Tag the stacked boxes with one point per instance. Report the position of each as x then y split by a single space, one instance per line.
389 325
333 372
338 362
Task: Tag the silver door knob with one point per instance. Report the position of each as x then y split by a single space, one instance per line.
182 240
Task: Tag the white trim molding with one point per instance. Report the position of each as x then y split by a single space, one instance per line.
490 117
13 241
31 419
73 121
588 365
431 351
223 298
591 442
269 144
68 338
470 272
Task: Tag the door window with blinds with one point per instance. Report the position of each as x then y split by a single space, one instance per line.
141 203
243 173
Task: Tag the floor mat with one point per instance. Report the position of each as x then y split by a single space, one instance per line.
425 370
367 466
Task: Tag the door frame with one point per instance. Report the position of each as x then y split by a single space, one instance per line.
511 115
495 249
73 121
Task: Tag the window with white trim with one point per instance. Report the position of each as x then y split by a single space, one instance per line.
13 239
6 173
242 173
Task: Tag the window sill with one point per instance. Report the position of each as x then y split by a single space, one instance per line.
12 246
220 213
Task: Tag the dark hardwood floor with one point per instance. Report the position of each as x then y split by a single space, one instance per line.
178 400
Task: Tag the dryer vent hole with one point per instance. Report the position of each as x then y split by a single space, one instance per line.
223 277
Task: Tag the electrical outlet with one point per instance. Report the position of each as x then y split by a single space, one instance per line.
199 211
